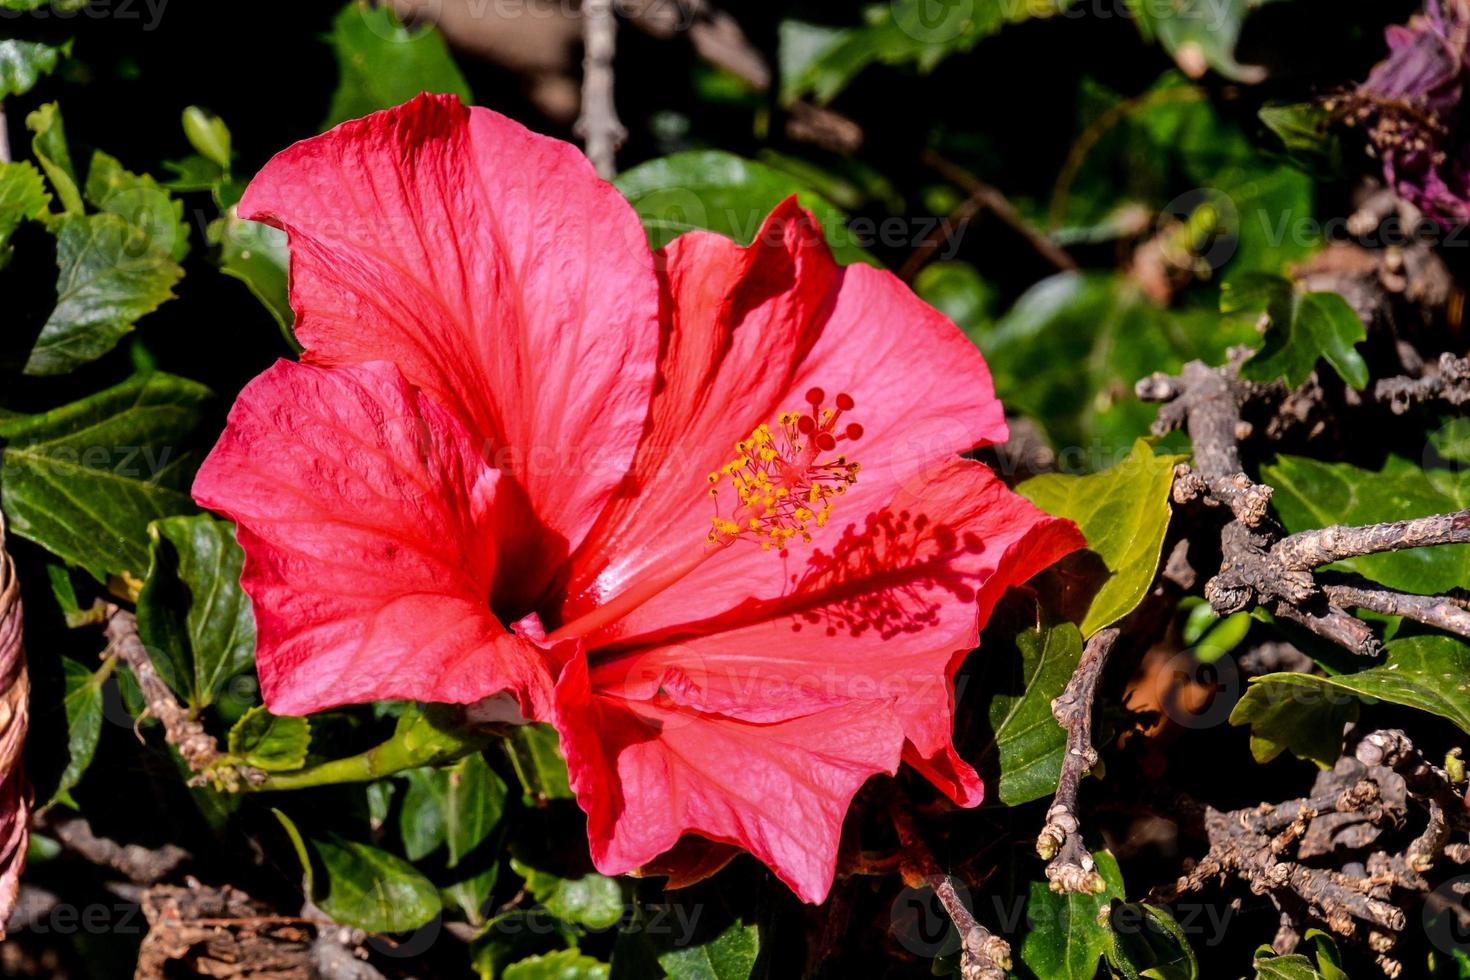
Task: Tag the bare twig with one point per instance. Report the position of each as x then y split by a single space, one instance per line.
1312 549
999 205
140 865
195 745
1070 867
1441 612
1446 383
984 956
598 125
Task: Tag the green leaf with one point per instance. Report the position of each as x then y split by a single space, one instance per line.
23 197
270 742
1307 132
1323 964
111 275
1312 494
83 705
141 202
84 481
1029 744
209 136
256 254
49 145
381 63
1148 942
361 886
593 900
535 753
22 63
459 805
1292 712
1123 512
1429 673
1199 33
1069 351
1304 328
726 194
564 964
921 33
731 955
1067 939
192 613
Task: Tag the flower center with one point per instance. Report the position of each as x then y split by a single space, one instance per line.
784 478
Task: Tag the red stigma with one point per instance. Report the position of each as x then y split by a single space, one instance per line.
816 396
854 431
845 402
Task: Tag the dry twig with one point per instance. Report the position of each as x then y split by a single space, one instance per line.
599 127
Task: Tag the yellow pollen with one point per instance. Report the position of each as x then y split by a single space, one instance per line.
785 476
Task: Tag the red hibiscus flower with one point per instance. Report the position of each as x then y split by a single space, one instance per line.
702 509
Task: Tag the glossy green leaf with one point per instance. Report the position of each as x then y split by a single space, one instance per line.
1066 939
535 753
83 706
209 136
1302 711
1069 351
592 900
270 742
1290 711
22 63
140 201
727 194
48 143
112 274
1123 512
382 63
1319 961
1312 494
1147 942
920 33
1029 744
458 805
730 955
1308 133
564 964
256 254
23 197
192 612
361 886
84 481
1304 328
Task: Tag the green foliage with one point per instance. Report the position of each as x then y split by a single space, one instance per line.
724 193
1123 512
1147 942
1067 354
564 964
1028 742
592 900
192 614
457 806
382 63
48 143
362 886
1305 327
536 756
266 741
1305 712
1069 933
84 481
1312 494
1199 33
23 197
83 708
822 62
1321 962
23 63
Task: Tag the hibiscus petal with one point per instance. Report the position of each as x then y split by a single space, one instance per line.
496 270
749 331
647 773
368 521
888 613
